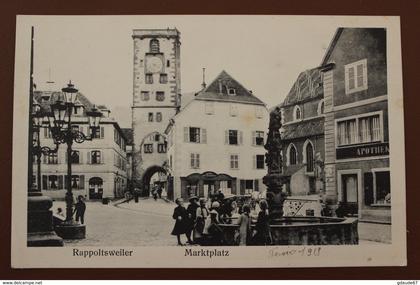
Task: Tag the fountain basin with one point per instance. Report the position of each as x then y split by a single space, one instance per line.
305 231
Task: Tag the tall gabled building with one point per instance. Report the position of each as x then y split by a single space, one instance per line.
302 134
216 141
99 166
356 124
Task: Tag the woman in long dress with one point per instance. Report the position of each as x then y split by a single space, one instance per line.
244 225
262 227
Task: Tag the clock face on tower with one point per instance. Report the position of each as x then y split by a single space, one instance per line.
154 64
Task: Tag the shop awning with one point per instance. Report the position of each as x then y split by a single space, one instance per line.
208 175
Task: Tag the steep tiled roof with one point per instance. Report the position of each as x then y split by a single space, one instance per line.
308 85
303 129
186 98
218 90
53 96
128 133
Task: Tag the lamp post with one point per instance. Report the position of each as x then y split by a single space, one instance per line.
39 216
60 124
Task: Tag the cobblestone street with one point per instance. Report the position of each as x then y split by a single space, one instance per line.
149 223
145 223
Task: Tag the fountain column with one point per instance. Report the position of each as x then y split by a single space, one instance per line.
274 179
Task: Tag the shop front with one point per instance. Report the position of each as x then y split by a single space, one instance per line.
206 184
363 182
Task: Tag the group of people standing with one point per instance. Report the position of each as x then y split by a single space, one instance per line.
200 223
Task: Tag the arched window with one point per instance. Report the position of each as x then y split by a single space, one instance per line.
321 107
291 155
297 113
154 46
308 156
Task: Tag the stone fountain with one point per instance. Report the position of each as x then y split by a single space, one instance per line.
293 230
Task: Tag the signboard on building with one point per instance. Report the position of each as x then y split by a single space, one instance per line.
359 151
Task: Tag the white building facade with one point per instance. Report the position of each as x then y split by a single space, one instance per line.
216 142
99 166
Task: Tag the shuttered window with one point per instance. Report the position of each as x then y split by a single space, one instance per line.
356 76
258 138
195 135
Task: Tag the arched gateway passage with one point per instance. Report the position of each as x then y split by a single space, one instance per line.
159 178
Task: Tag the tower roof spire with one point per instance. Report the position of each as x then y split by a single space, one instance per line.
204 78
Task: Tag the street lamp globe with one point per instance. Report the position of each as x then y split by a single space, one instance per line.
37 118
94 117
59 111
70 93
36 107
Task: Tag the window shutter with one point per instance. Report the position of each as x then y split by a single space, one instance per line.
102 132
240 133
80 157
66 157
60 182
226 136
186 134
44 159
59 157
102 157
203 135
253 137
256 185
254 162
365 75
89 161
197 157
46 132
88 131
81 182
368 181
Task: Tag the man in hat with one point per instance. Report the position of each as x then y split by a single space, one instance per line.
181 219
192 215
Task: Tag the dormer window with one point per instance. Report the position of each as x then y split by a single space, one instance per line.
231 91
297 113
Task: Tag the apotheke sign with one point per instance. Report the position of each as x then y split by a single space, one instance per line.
359 151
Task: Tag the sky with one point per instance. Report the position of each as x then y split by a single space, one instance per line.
264 53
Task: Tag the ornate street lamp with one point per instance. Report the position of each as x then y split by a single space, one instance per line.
62 132
40 225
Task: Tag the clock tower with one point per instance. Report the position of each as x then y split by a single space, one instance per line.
156 94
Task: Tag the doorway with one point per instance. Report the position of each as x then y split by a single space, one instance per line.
208 188
349 186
